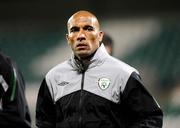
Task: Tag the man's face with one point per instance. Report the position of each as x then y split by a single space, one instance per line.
83 35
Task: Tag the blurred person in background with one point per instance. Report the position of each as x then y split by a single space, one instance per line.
93 89
108 43
14 111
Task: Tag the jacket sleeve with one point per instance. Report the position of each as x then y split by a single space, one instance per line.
140 108
45 108
14 105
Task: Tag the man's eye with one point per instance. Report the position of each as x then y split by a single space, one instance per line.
89 28
74 29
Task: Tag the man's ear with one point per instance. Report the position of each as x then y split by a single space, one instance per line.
101 34
67 38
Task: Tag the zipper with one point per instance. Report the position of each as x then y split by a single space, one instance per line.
80 100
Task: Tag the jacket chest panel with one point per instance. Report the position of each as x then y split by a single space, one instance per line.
103 84
65 84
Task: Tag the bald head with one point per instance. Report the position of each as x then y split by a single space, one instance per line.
83 15
84 34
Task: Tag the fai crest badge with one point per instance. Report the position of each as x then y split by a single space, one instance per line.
104 83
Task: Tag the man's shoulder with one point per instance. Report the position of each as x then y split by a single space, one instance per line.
118 64
3 57
60 68
5 63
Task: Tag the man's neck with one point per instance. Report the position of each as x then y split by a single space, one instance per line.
87 58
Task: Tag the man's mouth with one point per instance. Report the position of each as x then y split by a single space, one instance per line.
81 45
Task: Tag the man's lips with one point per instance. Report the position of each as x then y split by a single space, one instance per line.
81 45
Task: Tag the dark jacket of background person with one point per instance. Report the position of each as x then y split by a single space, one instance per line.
14 111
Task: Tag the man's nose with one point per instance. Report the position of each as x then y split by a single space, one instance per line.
81 36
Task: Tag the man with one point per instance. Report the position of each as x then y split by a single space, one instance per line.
108 43
93 89
14 112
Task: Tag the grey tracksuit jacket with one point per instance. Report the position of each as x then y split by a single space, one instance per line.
105 93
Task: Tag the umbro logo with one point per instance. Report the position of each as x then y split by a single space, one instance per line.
63 83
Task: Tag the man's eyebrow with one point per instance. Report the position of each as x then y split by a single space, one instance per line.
88 26
73 27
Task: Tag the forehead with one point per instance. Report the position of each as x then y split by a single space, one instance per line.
82 21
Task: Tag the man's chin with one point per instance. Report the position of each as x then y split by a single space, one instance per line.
83 55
